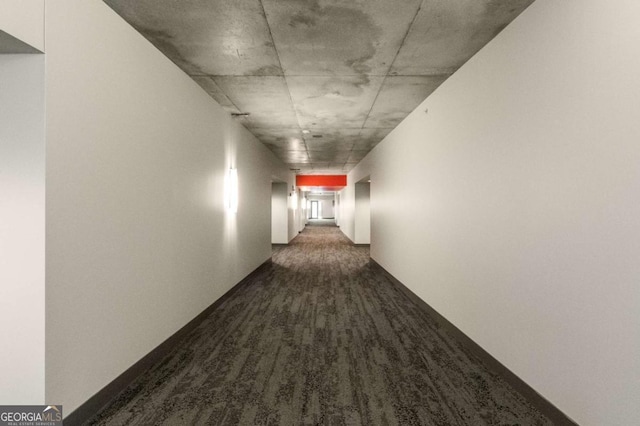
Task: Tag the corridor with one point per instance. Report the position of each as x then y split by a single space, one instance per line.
320 337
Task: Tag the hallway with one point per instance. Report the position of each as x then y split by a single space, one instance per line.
320 337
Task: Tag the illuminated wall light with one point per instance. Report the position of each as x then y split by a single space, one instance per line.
231 191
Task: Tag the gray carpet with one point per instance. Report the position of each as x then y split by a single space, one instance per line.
320 337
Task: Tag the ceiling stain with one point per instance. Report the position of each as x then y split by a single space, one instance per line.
333 102
323 38
347 71
445 33
301 19
398 96
166 43
265 71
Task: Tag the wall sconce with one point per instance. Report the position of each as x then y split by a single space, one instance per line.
231 191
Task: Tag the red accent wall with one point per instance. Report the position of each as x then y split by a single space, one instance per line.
322 180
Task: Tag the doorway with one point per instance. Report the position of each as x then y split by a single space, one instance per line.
314 210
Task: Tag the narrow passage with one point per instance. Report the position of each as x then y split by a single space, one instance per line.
320 337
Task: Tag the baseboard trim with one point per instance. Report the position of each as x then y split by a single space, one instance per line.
100 400
540 402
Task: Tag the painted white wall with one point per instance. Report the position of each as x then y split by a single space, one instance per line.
138 241
512 208
348 209
326 208
295 212
302 213
301 219
22 213
293 223
305 208
279 215
362 213
24 20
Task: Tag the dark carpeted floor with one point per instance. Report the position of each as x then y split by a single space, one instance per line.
320 338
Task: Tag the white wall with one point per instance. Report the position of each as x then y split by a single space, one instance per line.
138 241
279 222
24 20
22 213
295 213
512 208
326 208
301 219
362 213
348 209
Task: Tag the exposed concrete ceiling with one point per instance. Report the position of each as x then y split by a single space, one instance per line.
11 45
347 72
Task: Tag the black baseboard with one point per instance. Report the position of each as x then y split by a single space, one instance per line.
100 400
540 402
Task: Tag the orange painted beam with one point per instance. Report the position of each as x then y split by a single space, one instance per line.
339 181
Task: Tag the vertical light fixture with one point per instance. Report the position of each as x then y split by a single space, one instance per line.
231 191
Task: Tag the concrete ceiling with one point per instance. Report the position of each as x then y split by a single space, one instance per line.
11 45
347 72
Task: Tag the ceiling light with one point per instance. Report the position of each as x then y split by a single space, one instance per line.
306 132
